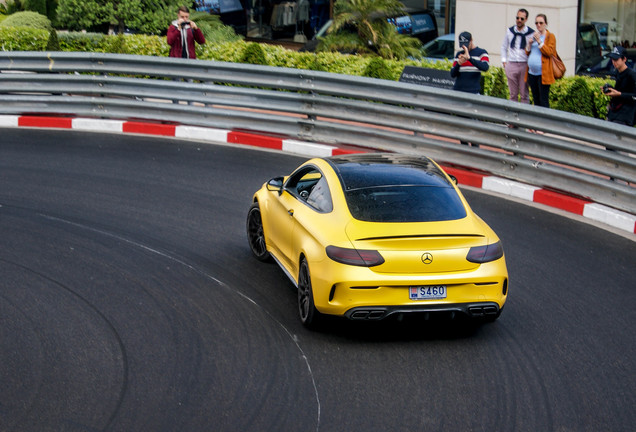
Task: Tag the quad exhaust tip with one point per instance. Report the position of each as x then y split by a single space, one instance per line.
487 310
482 311
370 314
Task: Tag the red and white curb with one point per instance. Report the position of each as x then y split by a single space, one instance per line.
587 209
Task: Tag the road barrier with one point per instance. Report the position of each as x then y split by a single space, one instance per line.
569 153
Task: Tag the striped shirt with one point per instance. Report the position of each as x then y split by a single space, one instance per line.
468 74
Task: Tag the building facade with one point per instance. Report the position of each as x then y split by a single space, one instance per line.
487 21
615 20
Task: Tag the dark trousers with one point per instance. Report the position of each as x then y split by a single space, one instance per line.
540 92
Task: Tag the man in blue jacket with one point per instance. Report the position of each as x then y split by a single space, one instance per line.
469 63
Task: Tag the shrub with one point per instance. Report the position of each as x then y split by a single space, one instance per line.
23 39
27 19
343 63
115 44
600 100
577 98
213 29
82 42
225 51
495 83
377 68
148 45
53 44
254 54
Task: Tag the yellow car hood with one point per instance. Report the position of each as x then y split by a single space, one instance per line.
421 247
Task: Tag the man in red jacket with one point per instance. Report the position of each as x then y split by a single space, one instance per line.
182 34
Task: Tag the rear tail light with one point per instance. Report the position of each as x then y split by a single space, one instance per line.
356 257
484 254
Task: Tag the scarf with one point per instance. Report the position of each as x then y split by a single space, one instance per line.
184 42
522 45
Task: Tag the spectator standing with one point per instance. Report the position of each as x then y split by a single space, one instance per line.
469 63
515 58
182 34
541 47
622 106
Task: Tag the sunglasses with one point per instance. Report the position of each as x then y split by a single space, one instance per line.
521 19
539 22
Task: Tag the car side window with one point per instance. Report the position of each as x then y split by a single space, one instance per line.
320 197
309 185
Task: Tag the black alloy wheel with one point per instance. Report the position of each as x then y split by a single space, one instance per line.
309 315
255 234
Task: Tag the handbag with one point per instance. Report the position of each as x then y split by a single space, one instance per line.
558 68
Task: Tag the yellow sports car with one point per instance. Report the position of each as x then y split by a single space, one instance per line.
368 236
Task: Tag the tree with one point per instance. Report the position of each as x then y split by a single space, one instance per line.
38 6
361 26
146 16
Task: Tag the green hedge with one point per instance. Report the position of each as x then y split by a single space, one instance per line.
23 39
27 19
581 95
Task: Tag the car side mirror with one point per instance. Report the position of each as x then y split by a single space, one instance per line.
275 184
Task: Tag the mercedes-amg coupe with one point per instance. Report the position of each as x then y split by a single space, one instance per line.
368 236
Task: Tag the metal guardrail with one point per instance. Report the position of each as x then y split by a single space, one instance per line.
574 154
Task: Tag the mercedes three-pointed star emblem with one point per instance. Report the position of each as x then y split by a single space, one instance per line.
427 257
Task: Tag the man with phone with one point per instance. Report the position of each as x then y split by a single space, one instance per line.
469 63
182 34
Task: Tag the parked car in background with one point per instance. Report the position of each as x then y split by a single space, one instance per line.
603 66
439 48
588 47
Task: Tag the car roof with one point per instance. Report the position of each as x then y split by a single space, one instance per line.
448 36
360 171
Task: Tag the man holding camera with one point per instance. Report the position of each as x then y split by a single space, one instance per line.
469 63
182 34
622 106
468 66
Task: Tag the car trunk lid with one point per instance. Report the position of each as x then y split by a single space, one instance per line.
417 248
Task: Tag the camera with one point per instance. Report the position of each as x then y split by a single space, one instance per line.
185 23
606 88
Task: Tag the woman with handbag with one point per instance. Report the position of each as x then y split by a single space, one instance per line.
541 47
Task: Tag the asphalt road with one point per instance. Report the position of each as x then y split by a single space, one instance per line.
129 301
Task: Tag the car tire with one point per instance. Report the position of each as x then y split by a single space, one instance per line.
255 233
309 315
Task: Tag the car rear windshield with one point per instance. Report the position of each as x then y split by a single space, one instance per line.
392 188
405 204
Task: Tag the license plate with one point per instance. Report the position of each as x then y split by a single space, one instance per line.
427 292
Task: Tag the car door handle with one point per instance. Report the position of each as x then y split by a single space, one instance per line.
290 212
